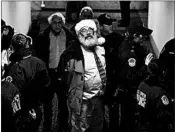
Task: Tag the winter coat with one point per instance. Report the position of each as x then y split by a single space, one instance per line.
42 44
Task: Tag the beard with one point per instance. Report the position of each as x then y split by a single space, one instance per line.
89 41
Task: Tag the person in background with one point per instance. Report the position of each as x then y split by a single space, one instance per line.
111 45
82 71
113 39
6 36
49 46
154 94
74 7
133 60
85 13
30 76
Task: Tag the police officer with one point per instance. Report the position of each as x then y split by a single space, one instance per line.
154 94
133 60
85 13
30 76
111 45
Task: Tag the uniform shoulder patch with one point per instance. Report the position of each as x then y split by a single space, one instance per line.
141 98
132 62
9 79
165 100
16 104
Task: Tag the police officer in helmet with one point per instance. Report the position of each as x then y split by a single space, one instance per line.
134 58
154 94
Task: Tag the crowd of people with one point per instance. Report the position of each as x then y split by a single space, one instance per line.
85 79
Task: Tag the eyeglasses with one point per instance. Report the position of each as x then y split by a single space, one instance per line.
55 23
86 30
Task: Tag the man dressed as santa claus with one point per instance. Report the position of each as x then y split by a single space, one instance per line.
82 71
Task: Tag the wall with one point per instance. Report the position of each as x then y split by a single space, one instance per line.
139 10
17 14
161 20
94 4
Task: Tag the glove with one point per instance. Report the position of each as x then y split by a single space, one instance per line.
148 59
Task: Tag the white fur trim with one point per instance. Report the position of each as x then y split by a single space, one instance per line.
56 14
86 8
101 41
85 23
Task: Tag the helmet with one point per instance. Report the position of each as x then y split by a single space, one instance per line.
21 41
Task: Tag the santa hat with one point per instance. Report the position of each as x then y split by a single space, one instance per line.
85 23
85 9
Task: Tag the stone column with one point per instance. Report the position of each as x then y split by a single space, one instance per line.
161 20
17 14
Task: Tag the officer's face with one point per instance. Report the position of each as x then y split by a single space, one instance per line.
140 38
86 15
56 24
106 29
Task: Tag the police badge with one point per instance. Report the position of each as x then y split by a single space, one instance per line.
165 100
132 62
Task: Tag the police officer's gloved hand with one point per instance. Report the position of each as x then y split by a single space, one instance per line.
148 59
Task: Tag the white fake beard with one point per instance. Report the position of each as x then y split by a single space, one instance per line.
89 42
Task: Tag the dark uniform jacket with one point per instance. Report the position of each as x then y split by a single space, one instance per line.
132 64
30 76
42 44
155 107
111 45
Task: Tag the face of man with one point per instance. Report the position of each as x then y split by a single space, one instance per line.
140 38
86 15
56 24
106 29
87 37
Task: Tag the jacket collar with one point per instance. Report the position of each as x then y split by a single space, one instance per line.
75 50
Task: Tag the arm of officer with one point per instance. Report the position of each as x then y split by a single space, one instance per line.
139 74
165 109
